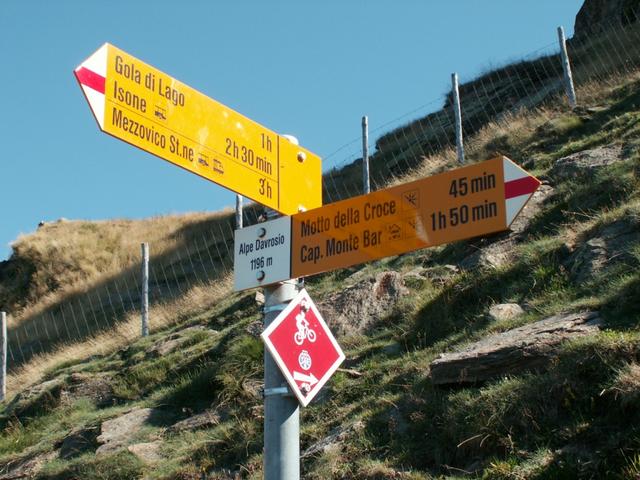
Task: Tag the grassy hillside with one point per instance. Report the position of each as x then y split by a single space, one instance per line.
382 416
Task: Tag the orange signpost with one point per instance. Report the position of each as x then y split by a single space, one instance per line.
467 202
147 108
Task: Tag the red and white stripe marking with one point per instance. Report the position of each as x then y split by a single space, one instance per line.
519 187
91 75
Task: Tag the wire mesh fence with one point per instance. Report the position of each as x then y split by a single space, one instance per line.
200 255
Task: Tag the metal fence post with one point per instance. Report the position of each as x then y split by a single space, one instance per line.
458 114
566 68
366 184
238 212
3 356
145 289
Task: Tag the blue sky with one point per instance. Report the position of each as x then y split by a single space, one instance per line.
311 69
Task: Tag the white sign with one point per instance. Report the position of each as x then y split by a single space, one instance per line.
262 254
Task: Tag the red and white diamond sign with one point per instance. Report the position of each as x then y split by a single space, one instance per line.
303 347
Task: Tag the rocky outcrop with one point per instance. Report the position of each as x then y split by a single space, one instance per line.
95 387
148 452
585 163
121 431
505 311
334 439
37 399
25 467
603 248
173 342
206 419
526 348
597 16
356 308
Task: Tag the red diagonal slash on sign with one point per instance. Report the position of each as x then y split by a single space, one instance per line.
519 186
90 79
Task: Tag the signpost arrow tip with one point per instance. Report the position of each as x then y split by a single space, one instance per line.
91 75
519 186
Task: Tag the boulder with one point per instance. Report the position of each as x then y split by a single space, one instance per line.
505 311
335 438
206 419
609 245
96 387
530 347
25 467
148 453
356 308
585 163
38 398
172 343
441 274
121 431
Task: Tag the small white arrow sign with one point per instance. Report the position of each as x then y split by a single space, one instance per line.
301 377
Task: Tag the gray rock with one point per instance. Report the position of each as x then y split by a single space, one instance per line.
415 278
608 246
530 347
95 387
120 431
585 163
173 342
505 311
493 254
205 419
25 467
336 437
355 309
254 328
442 274
37 398
148 453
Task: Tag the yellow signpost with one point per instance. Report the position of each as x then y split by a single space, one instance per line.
463 203
140 105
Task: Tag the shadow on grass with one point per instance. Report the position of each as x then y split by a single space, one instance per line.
563 409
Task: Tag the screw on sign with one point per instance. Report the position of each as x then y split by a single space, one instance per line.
303 347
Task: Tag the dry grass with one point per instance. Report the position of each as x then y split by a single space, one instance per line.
195 300
626 386
86 275
73 256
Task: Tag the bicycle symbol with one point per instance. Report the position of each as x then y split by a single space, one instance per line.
304 332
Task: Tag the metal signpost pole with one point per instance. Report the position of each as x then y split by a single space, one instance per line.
145 289
458 114
281 408
3 356
365 155
566 68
